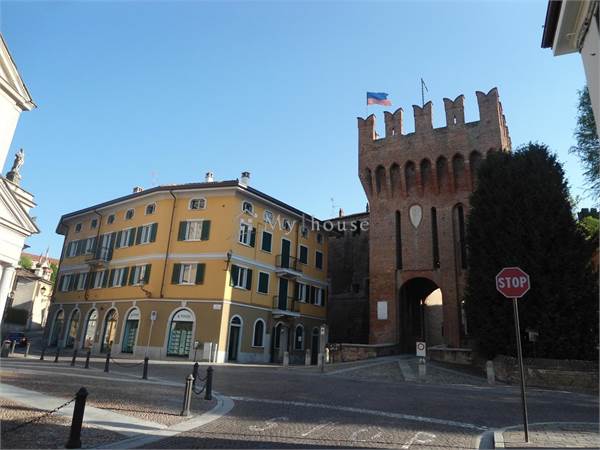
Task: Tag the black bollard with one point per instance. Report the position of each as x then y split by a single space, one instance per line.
75 435
57 354
187 396
195 373
87 359
12 347
209 376
107 362
74 358
27 347
145 372
43 353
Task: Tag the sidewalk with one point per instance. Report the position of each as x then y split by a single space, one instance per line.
550 435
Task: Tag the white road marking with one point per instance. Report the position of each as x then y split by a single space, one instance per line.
420 438
271 423
317 428
450 423
354 436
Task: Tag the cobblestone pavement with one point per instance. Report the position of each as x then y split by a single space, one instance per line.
50 432
297 407
554 436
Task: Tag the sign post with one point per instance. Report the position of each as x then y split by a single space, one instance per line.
512 282
153 316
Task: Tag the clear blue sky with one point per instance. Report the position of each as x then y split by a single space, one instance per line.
132 93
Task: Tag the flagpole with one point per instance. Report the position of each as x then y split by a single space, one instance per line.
422 95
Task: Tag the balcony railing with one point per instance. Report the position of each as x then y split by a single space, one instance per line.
102 255
290 263
285 304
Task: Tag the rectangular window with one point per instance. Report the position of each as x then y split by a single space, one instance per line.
303 254
81 281
263 282
194 230
241 277
125 238
267 241
188 273
319 260
104 250
98 279
318 296
119 277
137 275
146 233
72 249
302 292
65 282
185 275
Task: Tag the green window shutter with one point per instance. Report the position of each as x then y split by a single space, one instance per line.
234 274
266 241
312 295
73 283
138 235
60 281
113 239
153 231
118 239
319 260
132 237
296 291
323 296
105 279
205 230
249 279
176 271
303 255
200 269
111 276
147 273
125 275
182 230
94 245
131 275
253 237
91 279
263 283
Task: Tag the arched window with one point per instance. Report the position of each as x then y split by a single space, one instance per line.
410 175
247 207
235 337
90 329
268 216
150 209
259 333
180 333
395 179
426 181
57 327
130 332
129 214
299 338
110 330
458 168
380 179
73 327
474 164
441 168
198 203
369 181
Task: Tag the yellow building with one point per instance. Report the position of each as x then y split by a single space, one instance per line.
216 268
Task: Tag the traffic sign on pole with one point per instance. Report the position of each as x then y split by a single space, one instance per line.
513 282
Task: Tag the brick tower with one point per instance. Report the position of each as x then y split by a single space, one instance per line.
418 186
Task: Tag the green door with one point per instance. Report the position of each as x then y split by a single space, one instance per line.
131 327
180 339
283 292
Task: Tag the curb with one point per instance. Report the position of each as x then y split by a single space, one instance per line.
498 439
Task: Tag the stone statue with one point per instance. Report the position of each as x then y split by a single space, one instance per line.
19 160
14 174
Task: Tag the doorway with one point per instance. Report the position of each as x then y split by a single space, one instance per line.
235 331
419 317
314 346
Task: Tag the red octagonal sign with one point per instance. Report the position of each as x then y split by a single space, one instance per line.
512 282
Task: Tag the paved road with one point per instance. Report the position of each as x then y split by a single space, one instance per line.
300 407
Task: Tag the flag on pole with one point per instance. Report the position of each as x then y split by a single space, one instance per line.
378 98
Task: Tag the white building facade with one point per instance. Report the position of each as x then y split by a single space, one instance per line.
15 203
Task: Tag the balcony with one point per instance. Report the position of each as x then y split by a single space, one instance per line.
288 267
285 306
101 257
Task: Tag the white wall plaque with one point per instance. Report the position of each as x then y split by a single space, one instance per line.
415 213
382 310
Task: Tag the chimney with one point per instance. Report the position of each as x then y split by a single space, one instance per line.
341 213
245 180
209 177
137 189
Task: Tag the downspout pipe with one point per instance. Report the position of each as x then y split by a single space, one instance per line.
162 284
87 281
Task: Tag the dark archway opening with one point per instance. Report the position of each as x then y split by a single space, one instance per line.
418 321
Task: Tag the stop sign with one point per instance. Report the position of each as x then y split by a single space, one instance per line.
512 282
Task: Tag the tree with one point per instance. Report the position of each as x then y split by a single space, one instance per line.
25 262
521 216
54 273
588 144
